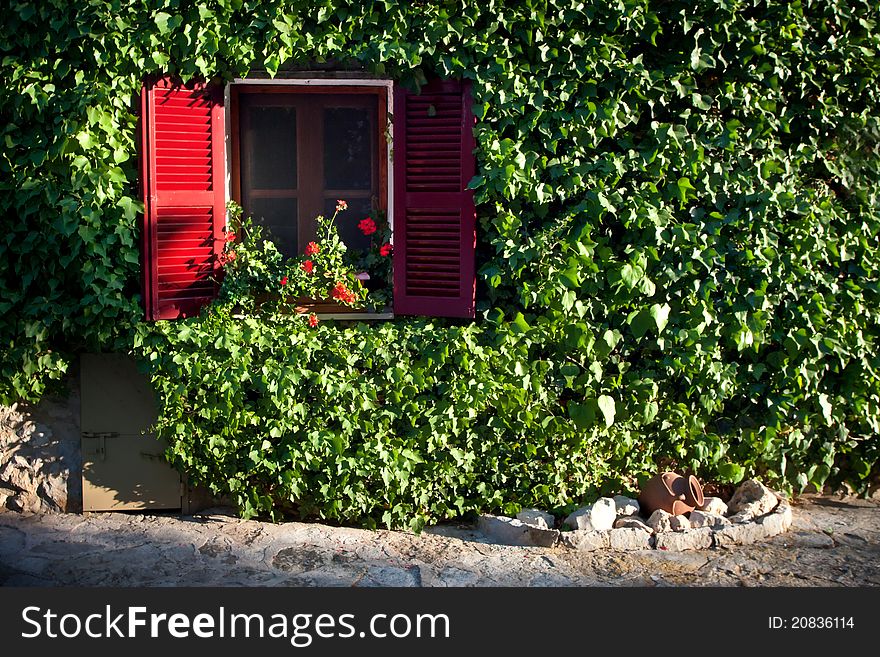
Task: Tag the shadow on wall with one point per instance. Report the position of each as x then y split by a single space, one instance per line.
40 456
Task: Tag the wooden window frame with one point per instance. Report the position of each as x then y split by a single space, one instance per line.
382 88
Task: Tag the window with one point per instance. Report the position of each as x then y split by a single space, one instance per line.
293 153
296 149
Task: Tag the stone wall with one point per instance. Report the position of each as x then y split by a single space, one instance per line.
40 456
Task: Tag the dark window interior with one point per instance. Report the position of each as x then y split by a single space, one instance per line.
297 151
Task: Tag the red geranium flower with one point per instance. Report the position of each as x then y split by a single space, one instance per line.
230 236
367 226
341 292
307 266
312 248
284 280
385 250
313 320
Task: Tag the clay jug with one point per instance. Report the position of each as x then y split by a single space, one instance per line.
671 492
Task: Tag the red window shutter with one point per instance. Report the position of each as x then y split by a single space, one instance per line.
434 215
183 176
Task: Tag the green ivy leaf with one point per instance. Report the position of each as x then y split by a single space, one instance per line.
161 19
731 472
631 275
584 415
607 406
519 324
660 315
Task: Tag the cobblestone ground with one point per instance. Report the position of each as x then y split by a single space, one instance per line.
834 541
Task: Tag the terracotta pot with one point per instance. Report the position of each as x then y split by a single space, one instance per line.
672 493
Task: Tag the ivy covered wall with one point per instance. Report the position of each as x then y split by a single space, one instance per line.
677 250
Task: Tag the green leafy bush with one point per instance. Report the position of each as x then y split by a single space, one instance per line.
678 250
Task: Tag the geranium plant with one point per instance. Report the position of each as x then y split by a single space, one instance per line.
258 277
374 263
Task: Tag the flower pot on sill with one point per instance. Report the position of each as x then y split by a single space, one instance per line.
322 306
305 305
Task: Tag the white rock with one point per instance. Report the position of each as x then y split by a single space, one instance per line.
596 517
704 519
585 541
752 497
679 523
603 514
660 521
714 505
510 531
536 518
779 521
626 506
632 522
630 538
694 539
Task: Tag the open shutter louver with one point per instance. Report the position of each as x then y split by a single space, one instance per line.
184 196
434 214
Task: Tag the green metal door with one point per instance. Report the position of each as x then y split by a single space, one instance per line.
123 466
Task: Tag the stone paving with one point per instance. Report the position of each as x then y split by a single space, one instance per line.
834 541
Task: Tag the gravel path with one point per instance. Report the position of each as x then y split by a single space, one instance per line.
834 541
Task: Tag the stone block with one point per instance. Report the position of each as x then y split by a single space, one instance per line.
633 522
704 519
510 531
692 539
630 538
752 497
779 521
660 521
679 523
714 505
743 534
536 518
584 540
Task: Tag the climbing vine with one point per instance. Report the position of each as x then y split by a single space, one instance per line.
677 250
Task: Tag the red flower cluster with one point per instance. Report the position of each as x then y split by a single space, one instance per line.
341 205
385 250
367 226
313 320
284 280
307 266
312 248
230 236
341 292
225 258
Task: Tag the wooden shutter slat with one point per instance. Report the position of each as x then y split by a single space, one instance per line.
434 214
184 197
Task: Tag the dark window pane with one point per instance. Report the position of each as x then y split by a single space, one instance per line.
348 133
271 147
279 215
347 221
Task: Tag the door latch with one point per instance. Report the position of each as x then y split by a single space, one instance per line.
102 436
